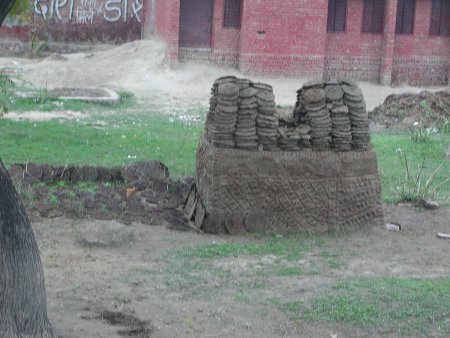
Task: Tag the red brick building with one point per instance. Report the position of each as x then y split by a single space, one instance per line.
387 41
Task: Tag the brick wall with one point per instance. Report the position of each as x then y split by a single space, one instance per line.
89 20
283 37
353 54
167 25
21 32
421 58
286 38
225 43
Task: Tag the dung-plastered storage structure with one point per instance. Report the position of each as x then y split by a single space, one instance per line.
309 169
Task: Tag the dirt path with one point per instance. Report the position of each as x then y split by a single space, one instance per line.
142 67
145 280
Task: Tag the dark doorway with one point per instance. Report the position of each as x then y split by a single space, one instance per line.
196 23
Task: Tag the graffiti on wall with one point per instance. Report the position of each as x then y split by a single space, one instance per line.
87 11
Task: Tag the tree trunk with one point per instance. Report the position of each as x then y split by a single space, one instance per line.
23 307
5 7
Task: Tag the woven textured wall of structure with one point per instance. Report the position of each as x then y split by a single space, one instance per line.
312 169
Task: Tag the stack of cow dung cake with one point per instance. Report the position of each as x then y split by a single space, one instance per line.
354 100
299 109
294 138
225 115
318 115
243 115
213 103
245 133
341 131
266 121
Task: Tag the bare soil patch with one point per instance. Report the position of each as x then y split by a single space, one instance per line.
140 192
228 299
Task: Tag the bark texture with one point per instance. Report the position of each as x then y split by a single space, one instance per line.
5 7
23 308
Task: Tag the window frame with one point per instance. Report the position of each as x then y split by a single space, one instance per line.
232 21
400 30
369 28
437 29
331 23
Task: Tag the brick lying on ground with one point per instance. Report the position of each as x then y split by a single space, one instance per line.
312 170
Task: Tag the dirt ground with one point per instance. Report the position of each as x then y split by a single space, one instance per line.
142 68
128 281
135 280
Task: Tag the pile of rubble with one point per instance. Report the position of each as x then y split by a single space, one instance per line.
327 115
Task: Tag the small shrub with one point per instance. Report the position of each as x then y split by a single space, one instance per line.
415 187
420 135
125 95
6 85
53 199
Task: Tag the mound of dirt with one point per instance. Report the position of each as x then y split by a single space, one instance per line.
142 192
425 109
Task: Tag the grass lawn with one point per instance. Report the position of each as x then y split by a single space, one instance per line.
118 140
131 133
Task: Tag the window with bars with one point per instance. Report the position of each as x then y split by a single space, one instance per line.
440 18
337 13
373 16
232 13
405 16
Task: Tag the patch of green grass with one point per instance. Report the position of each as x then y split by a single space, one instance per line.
332 260
389 145
122 140
419 135
289 248
125 95
388 305
6 87
52 199
138 135
415 186
90 187
291 309
72 195
242 269
289 271
43 101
